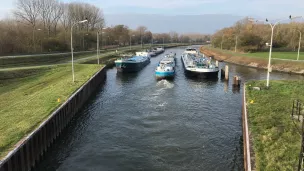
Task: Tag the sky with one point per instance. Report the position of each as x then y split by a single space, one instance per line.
261 8
172 15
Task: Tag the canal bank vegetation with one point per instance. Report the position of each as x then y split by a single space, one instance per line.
25 61
28 96
258 60
34 61
43 26
245 43
276 137
252 36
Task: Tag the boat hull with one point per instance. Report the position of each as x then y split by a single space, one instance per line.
164 74
201 74
131 67
205 74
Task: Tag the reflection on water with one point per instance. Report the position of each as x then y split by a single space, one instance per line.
122 77
136 122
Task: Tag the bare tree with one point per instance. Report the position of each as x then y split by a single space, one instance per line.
141 31
65 18
46 10
58 12
28 11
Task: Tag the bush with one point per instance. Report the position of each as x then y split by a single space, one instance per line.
53 44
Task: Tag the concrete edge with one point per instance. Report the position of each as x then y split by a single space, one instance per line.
29 136
246 143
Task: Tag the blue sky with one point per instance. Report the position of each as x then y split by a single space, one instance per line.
263 8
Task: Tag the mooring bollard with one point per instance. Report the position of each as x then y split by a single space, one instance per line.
222 73
236 81
226 86
226 72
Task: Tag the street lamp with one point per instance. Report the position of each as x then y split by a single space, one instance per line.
300 39
34 44
222 41
97 49
79 22
236 41
131 41
299 47
40 41
141 40
267 44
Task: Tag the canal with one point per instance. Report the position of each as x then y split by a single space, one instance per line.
135 122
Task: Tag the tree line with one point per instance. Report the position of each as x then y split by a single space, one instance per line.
250 36
40 26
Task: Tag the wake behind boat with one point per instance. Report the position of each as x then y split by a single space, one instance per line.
196 64
166 67
134 63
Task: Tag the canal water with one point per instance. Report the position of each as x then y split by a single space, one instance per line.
135 122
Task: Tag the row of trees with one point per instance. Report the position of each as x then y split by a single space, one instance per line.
45 26
252 36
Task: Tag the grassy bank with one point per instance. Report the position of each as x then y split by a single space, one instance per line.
259 60
54 59
276 140
263 55
29 96
275 55
28 61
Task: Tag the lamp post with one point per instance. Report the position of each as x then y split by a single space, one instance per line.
299 48
97 49
222 42
163 42
141 40
300 38
79 22
131 41
236 41
270 45
34 44
40 40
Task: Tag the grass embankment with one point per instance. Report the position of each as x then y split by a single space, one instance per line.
276 140
27 61
259 60
275 55
29 96
55 59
